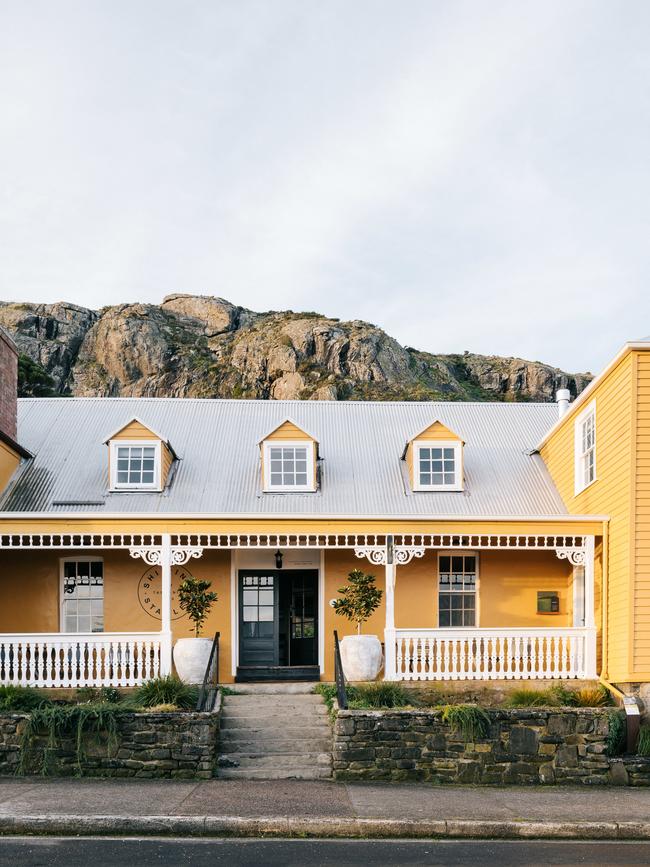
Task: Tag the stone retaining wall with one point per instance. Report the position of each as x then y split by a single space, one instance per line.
527 746
174 745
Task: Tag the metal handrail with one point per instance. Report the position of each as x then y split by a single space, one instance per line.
341 694
210 685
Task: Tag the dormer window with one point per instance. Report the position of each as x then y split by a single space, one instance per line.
139 458
135 465
289 456
434 458
289 466
437 466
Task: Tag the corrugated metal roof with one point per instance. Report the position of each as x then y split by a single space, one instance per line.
361 444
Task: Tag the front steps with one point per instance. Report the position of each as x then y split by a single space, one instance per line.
274 733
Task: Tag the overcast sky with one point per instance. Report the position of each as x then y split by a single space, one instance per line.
467 175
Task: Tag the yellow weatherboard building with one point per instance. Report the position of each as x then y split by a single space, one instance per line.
511 541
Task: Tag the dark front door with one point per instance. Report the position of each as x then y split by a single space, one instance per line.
278 617
258 617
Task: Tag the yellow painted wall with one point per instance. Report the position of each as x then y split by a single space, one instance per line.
137 431
611 494
9 462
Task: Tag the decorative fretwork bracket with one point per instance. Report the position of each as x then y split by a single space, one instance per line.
575 556
378 554
178 557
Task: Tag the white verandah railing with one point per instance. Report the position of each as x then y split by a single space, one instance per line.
492 654
79 659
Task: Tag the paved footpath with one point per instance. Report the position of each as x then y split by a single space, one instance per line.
319 809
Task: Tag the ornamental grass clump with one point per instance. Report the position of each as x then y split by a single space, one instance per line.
196 599
590 696
531 698
468 720
359 598
379 695
616 734
166 690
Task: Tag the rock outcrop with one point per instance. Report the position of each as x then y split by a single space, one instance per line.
202 346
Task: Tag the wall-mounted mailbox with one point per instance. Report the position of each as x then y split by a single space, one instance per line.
548 602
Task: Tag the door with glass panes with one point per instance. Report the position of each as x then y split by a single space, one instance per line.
278 617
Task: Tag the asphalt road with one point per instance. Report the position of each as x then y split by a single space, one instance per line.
111 852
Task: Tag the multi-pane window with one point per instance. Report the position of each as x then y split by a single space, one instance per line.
585 449
457 590
82 604
588 446
289 467
136 466
258 606
437 466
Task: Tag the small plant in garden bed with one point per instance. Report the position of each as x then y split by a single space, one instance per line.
94 694
166 690
469 720
590 696
617 734
643 746
21 698
531 698
373 696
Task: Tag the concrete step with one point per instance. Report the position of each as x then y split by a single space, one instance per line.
299 717
273 701
300 728
295 688
273 746
310 773
298 760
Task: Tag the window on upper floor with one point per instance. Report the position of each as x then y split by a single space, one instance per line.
288 466
585 448
135 465
437 466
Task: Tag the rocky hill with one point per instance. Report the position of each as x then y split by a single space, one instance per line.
200 346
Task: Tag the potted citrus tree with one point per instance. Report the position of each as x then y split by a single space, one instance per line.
360 654
191 655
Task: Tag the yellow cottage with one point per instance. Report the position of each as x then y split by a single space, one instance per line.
512 541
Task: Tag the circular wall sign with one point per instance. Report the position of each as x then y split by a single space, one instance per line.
150 591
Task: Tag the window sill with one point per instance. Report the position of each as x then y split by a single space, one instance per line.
578 491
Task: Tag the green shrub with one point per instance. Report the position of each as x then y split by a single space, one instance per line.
643 747
21 698
167 690
615 741
563 697
469 720
531 698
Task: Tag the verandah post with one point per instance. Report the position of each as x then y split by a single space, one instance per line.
590 614
166 605
390 672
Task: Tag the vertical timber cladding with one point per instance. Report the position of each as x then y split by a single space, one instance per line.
609 495
641 597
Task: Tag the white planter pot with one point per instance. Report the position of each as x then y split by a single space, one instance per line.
361 657
191 657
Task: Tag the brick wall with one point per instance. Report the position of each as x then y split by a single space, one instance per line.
8 385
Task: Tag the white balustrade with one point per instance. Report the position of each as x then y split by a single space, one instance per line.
493 654
80 659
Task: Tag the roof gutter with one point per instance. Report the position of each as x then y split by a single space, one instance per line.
236 516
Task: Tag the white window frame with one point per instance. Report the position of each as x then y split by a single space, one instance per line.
62 595
266 453
156 486
477 585
458 463
579 476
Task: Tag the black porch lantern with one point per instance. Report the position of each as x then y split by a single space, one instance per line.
278 559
